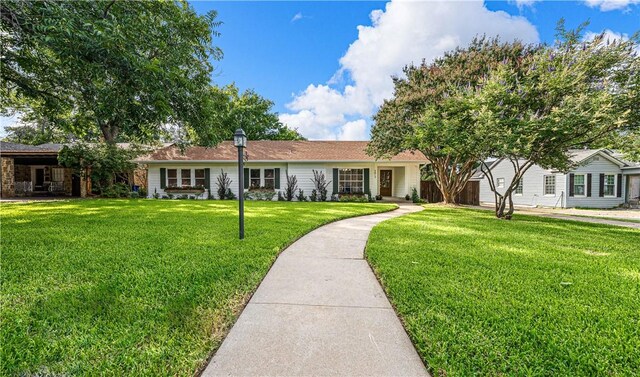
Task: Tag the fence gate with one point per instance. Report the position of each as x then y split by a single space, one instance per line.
469 195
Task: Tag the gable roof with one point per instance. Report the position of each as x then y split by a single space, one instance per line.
268 150
7 148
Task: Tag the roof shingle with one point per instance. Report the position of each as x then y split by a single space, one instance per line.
267 150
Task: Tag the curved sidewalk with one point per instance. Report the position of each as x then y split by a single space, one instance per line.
320 311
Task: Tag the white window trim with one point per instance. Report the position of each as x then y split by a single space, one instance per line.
615 185
192 178
498 185
352 168
544 185
262 180
584 184
519 183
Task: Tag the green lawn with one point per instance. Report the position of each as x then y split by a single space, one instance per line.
532 296
146 287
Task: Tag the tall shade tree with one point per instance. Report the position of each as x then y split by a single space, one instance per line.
124 68
249 111
567 96
429 111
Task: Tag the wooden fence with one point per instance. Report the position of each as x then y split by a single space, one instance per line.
469 195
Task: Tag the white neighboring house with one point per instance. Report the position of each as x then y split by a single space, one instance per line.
344 163
601 179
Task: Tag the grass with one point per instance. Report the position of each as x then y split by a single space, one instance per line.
623 219
126 287
531 296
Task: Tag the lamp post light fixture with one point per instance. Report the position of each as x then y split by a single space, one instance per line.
240 141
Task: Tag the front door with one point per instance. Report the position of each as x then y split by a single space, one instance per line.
385 182
39 176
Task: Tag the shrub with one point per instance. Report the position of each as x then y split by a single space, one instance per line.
261 193
335 198
143 192
414 196
292 186
314 195
300 197
280 197
155 194
134 195
224 185
229 195
170 196
378 197
118 190
320 183
407 197
354 198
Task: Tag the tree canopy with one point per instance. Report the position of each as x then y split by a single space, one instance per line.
120 69
428 111
249 111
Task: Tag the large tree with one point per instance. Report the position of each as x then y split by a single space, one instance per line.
249 111
123 68
428 111
567 96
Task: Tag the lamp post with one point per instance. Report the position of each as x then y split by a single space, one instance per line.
240 141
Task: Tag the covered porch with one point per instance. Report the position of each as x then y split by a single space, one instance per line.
632 187
34 171
396 180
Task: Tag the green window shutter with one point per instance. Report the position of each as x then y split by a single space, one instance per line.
163 178
601 185
207 178
619 193
589 184
367 190
277 172
246 178
335 180
571 183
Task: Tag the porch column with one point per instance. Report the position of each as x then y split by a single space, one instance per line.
7 188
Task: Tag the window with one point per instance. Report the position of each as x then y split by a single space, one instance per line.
609 185
57 174
254 181
500 182
269 178
172 177
199 175
549 184
351 181
520 187
185 177
578 185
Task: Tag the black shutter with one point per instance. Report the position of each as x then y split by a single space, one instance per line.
367 190
619 191
277 178
335 181
246 178
207 179
601 192
589 184
163 178
571 183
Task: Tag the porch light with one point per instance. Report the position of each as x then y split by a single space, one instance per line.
240 141
240 138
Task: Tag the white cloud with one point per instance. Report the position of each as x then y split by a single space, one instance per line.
355 130
402 33
524 3
607 5
298 16
609 36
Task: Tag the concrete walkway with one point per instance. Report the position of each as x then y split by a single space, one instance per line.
320 311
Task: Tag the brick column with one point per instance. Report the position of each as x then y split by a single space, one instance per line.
7 189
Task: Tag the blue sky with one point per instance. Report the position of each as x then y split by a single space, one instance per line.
327 64
327 76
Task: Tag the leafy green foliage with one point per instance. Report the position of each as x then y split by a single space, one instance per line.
249 111
260 193
428 111
320 185
530 297
121 69
136 287
104 163
292 186
559 98
300 196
